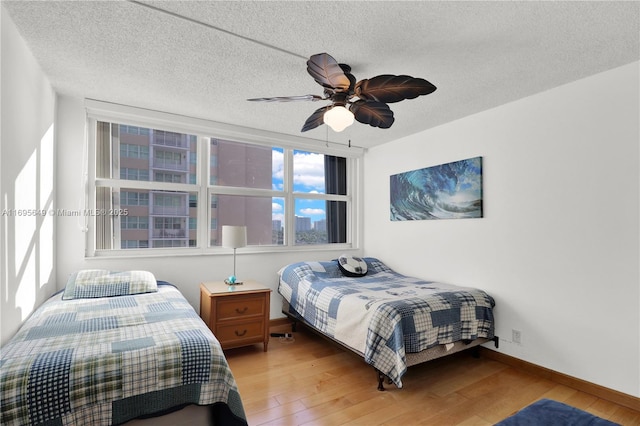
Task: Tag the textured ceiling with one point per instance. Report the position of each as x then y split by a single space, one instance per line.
205 58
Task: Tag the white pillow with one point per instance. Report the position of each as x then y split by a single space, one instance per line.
352 266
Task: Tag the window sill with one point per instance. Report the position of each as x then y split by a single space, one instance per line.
165 253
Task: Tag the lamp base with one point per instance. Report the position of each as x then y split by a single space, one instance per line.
234 283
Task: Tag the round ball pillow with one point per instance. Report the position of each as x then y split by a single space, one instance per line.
352 266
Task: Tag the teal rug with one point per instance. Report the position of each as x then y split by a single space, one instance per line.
547 412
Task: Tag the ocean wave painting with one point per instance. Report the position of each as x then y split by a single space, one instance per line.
446 191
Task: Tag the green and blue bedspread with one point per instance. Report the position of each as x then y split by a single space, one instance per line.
106 360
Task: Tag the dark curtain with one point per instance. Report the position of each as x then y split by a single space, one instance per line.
335 181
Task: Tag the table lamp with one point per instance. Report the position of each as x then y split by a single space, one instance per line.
234 237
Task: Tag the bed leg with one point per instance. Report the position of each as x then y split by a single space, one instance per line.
294 326
380 380
496 341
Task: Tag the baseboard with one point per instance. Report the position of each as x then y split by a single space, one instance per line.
564 379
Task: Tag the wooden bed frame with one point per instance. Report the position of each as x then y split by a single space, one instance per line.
412 358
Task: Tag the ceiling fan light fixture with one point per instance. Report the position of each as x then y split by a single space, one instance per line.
338 118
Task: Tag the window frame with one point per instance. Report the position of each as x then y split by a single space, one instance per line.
206 130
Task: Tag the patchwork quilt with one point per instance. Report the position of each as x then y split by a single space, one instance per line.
106 360
383 315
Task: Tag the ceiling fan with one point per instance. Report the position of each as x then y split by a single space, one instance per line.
365 100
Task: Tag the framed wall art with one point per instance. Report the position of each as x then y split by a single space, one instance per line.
446 191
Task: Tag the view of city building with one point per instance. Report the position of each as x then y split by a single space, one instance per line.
169 218
159 218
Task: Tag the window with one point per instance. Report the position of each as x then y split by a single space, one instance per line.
134 151
168 177
129 173
133 198
286 197
130 244
134 222
133 130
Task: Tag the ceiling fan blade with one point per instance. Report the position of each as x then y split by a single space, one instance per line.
376 114
327 72
289 98
352 80
316 119
392 88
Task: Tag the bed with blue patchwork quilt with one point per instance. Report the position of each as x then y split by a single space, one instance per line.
392 320
113 347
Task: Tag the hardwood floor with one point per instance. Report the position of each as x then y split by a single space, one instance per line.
311 381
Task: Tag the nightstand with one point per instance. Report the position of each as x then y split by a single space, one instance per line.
237 317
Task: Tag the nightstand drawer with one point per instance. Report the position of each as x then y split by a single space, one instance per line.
232 334
240 307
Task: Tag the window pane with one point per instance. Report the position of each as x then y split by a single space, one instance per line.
320 221
134 222
146 219
170 232
153 155
134 198
318 173
243 165
263 217
134 244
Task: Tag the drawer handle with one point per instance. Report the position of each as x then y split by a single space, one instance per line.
241 311
241 334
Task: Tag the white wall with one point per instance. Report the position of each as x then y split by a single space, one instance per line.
185 272
558 246
26 182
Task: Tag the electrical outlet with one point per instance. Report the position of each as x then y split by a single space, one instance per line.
516 336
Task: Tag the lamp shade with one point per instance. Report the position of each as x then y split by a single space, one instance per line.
338 118
234 236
